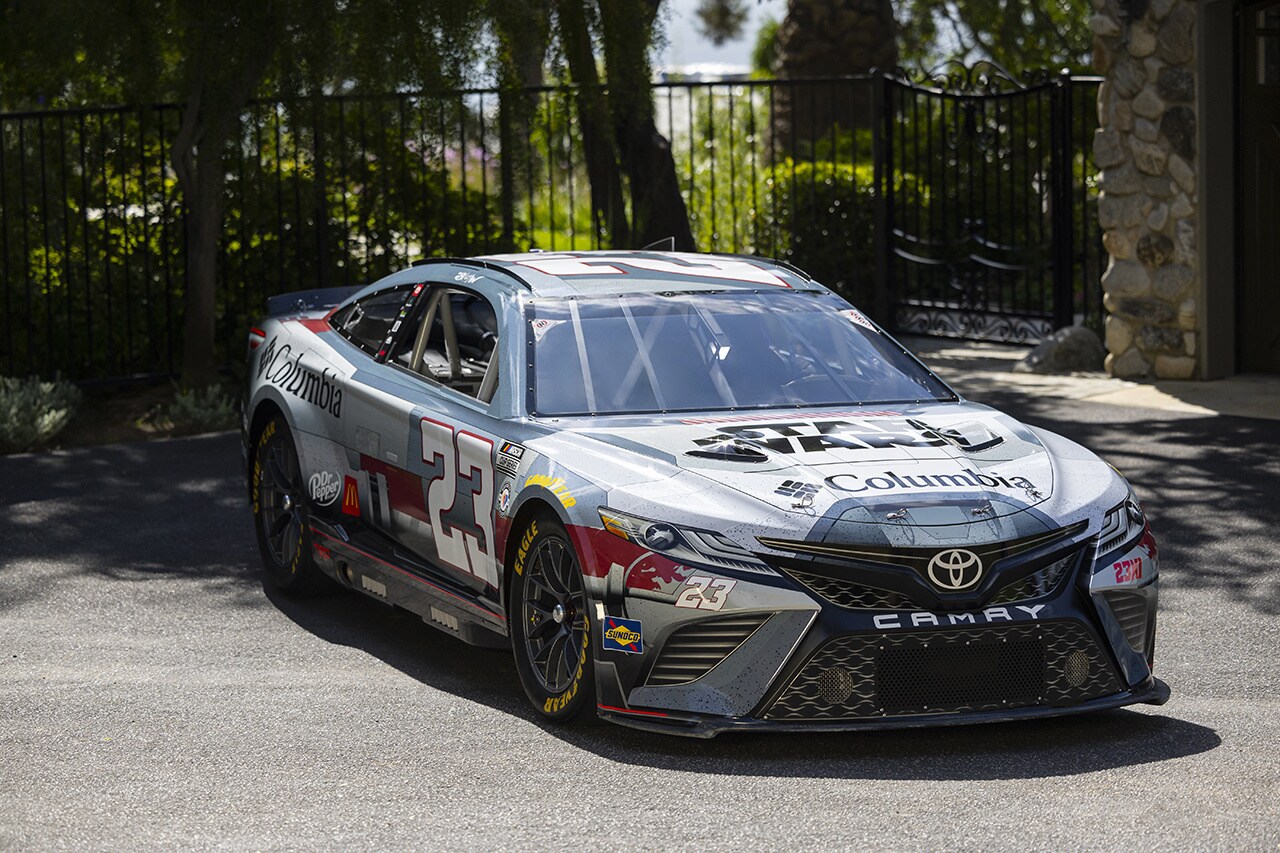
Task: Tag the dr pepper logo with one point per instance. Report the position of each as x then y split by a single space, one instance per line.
324 487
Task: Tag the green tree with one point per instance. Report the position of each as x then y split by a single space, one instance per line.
1019 35
821 38
213 56
615 113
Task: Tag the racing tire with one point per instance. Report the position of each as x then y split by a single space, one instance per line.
550 623
281 513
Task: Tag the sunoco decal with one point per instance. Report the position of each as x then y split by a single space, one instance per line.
622 635
287 372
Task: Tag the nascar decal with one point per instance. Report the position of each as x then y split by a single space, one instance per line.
509 456
622 635
324 487
282 368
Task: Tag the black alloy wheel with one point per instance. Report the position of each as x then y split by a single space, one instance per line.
280 509
550 625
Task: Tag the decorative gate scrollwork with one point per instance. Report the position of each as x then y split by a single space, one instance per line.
989 203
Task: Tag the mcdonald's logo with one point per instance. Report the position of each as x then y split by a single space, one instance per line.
350 497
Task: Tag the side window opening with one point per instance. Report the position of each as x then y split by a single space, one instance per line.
456 343
367 322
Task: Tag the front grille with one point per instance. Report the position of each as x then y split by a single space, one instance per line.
852 595
857 596
694 650
1130 609
1036 585
948 671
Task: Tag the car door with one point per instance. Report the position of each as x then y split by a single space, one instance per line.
422 419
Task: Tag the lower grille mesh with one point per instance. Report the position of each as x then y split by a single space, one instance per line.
1130 609
694 650
852 595
979 669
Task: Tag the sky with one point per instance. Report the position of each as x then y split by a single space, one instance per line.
686 46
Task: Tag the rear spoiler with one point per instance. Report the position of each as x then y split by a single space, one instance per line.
302 301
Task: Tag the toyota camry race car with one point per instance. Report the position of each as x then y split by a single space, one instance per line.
692 493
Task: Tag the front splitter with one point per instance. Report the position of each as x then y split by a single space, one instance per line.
1153 691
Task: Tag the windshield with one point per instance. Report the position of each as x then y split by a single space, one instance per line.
682 352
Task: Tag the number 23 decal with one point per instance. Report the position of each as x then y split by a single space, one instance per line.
704 593
469 455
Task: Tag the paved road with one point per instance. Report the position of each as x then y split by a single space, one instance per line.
152 695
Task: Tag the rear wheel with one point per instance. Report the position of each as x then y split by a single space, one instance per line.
280 513
550 628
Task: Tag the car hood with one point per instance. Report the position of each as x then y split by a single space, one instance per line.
942 464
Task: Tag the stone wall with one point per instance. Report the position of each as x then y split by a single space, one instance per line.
1146 152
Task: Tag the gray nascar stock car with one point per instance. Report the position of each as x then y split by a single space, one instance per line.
693 494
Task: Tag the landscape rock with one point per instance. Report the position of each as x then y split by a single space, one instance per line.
1068 350
1175 366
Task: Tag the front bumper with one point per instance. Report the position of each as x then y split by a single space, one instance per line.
1047 645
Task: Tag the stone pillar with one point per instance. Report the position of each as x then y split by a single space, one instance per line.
1145 149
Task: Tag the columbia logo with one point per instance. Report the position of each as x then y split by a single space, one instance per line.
795 489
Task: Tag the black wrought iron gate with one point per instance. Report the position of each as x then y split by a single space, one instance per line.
990 228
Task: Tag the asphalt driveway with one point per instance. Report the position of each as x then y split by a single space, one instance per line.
153 695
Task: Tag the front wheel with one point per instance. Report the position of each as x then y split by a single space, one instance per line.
550 627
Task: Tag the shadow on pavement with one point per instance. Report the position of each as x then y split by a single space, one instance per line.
1034 749
128 512
1210 486
176 509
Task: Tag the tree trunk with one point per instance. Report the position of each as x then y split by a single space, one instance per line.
657 208
217 89
202 192
523 28
608 206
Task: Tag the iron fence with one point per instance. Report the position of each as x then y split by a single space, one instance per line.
896 193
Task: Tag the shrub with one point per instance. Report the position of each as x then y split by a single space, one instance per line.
33 412
826 217
197 410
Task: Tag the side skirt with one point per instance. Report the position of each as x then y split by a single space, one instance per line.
362 566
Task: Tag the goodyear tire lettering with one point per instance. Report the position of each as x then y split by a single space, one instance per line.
525 542
267 432
561 701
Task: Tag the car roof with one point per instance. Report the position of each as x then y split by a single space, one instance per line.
614 271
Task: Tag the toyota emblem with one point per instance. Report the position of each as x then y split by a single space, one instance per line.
955 569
